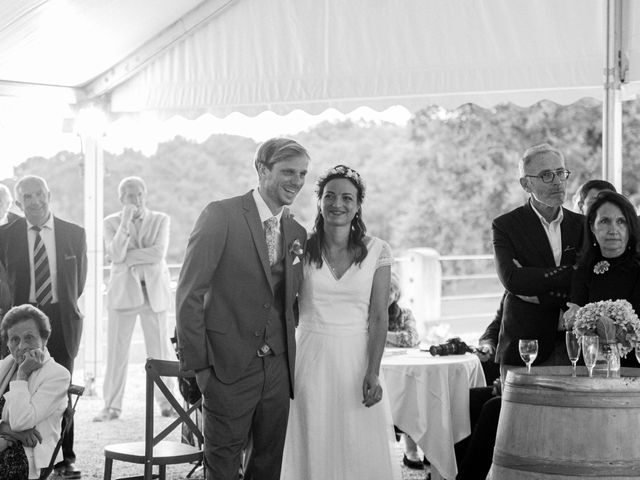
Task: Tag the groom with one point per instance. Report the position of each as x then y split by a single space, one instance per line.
235 314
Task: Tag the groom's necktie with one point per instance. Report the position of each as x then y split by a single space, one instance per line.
41 270
271 236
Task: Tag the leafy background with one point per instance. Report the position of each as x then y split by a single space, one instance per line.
437 182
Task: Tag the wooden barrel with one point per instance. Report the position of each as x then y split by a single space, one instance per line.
554 426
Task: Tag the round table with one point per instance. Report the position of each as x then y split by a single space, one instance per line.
429 399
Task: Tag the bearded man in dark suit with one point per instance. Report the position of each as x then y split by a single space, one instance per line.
535 249
235 314
46 265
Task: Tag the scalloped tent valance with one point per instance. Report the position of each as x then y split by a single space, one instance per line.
282 55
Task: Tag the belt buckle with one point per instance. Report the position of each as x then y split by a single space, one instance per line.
264 350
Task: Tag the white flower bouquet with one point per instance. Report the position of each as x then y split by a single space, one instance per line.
614 321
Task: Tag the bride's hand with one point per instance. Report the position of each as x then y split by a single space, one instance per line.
371 390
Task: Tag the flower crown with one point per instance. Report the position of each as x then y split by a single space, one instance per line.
342 171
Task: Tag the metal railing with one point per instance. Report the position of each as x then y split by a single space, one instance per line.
469 285
447 281
454 280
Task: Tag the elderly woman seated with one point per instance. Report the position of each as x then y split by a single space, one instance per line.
33 395
402 333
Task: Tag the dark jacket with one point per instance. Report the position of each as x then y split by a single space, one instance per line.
519 235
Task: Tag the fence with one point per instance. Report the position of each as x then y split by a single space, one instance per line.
450 295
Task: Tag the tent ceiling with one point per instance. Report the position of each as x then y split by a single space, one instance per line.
217 56
66 43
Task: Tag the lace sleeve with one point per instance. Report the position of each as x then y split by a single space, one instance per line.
385 258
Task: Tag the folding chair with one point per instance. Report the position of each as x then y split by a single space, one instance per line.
154 450
74 391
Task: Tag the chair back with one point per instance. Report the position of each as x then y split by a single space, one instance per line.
73 395
156 369
168 451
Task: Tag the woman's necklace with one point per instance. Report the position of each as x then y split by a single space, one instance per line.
338 264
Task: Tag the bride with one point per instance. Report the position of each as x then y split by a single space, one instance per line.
340 421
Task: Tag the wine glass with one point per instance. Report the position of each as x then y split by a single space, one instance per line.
528 352
573 349
590 344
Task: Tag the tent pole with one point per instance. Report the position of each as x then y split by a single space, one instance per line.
93 214
612 103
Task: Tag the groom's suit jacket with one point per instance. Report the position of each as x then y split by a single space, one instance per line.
71 259
519 235
225 293
136 258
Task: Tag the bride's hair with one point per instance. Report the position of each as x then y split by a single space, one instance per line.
358 228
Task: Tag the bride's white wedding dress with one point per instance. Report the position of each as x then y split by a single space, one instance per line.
331 435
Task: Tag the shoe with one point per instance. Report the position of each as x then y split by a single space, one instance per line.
107 414
413 464
68 471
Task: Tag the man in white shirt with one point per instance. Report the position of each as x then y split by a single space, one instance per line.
535 248
236 315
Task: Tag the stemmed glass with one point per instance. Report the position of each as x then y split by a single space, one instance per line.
573 349
590 344
528 352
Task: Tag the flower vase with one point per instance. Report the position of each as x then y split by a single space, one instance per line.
608 360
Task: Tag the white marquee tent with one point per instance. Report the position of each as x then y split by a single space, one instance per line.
190 57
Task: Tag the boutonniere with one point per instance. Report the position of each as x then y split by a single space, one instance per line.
601 267
296 248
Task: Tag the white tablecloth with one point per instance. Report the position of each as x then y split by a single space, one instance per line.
430 400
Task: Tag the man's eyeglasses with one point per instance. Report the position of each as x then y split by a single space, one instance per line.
548 177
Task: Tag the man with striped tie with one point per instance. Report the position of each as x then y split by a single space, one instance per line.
46 263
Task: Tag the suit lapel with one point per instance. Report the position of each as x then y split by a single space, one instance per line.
534 231
22 282
257 234
288 235
570 240
143 227
60 237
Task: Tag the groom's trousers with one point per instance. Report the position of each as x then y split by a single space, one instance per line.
257 404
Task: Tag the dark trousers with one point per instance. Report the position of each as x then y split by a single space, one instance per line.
477 398
479 453
58 351
256 405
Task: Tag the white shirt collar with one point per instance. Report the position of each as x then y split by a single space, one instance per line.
48 224
263 209
557 220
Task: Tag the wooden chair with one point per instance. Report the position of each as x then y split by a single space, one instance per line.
154 450
74 393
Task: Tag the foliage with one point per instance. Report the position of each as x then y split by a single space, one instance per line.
437 182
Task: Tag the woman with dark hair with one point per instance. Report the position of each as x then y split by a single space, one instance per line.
609 260
340 422
588 192
33 395
402 324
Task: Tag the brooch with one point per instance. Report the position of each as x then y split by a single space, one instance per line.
601 267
